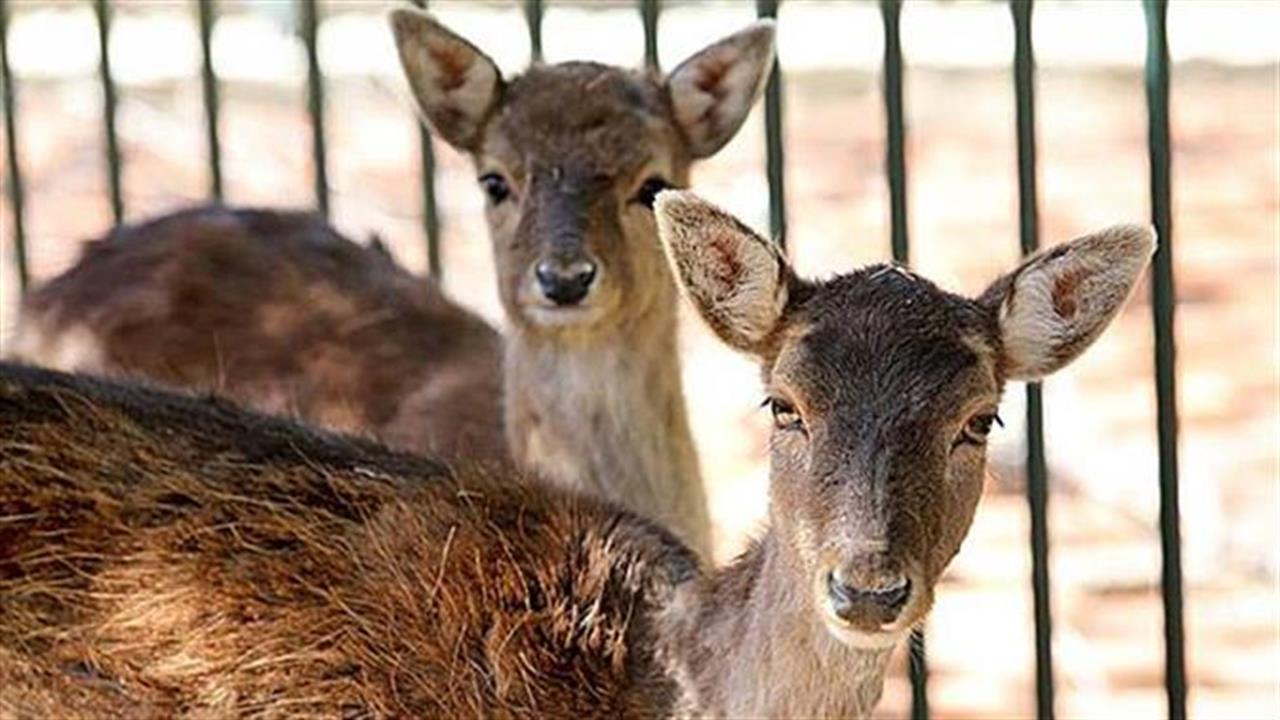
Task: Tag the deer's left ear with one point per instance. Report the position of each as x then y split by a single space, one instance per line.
737 280
1060 300
712 91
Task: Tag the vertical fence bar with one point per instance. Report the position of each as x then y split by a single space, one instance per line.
649 10
773 138
891 13
430 209
1162 308
102 10
896 169
310 23
1037 472
17 202
533 16
209 80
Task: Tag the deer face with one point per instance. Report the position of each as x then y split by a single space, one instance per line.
883 390
571 156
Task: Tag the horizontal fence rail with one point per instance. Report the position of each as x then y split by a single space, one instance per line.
1157 77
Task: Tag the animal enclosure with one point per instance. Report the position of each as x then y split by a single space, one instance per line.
317 121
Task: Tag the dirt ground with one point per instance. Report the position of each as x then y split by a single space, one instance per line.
963 223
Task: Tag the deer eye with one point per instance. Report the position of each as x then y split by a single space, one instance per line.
650 189
785 416
495 186
977 429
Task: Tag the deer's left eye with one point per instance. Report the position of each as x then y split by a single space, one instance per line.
650 189
976 430
785 415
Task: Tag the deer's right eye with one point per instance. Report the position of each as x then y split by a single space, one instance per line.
785 415
495 186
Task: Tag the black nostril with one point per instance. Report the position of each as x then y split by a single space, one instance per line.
565 283
846 598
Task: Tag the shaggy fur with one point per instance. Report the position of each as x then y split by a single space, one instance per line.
162 555
279 311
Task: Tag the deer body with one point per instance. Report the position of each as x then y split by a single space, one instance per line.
171 556
279 311
167 556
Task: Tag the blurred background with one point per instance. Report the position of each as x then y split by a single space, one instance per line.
961 157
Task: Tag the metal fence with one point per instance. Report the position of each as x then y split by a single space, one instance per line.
1023 96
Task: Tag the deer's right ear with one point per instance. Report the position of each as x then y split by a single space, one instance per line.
737 280
712 92
457 86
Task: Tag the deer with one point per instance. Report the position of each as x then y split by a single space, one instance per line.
278 310
162 554
570 157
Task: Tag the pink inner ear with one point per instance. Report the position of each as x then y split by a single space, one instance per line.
1064 292
726 266
711 76
452 62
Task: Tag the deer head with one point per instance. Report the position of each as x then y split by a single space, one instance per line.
883 390
571 156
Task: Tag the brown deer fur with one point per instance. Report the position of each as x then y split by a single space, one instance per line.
161 555
279 311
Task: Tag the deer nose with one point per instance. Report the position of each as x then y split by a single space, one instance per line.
875 600
565 282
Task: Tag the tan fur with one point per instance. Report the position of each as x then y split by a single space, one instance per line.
593 392
279 311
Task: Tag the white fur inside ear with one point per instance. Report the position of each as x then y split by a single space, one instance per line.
455 84
734 277
1062 299
712 91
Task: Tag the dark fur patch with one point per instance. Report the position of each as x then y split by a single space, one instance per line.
454 63
1064 293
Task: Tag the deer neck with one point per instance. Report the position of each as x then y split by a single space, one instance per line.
606 415
744 641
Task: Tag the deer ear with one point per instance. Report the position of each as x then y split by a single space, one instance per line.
1060 300
712 92
457 86
736 279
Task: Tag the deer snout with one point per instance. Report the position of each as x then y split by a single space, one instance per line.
565 280
867 597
